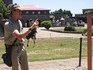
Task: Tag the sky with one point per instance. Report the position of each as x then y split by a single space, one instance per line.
75 6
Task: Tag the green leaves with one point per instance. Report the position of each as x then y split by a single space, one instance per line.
47 24
3 9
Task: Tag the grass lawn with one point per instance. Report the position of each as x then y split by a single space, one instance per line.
53 48
78 29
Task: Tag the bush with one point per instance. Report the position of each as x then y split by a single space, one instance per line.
1 15
85 32
69 28
47 24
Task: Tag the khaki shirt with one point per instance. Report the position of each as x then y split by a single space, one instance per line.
9 27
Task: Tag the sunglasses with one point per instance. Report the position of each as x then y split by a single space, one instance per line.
16 10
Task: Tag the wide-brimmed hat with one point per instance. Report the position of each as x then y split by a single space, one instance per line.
14 7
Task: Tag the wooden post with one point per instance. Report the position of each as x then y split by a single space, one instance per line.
89 40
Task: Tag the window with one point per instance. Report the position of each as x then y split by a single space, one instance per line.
27 12
33 12
44 12
39 12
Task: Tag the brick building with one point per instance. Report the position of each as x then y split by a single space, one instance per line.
34 12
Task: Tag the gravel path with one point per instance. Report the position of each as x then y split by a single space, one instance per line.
42 33
64 64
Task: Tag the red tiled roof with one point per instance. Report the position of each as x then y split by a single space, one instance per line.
31 7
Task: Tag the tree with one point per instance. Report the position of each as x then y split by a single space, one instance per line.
3 9
67 12
60 11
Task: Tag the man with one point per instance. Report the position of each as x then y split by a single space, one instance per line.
13 30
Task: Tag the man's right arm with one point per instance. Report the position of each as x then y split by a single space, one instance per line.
20 36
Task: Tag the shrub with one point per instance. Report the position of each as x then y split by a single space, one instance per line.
1 15
85 32
69 28
47 24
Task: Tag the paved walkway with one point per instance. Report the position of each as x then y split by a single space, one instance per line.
64 64
43 33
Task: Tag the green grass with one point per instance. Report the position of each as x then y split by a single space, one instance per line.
78 29
53 48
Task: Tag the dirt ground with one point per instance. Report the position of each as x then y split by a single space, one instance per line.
64 64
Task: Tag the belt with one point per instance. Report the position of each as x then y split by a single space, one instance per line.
18 44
